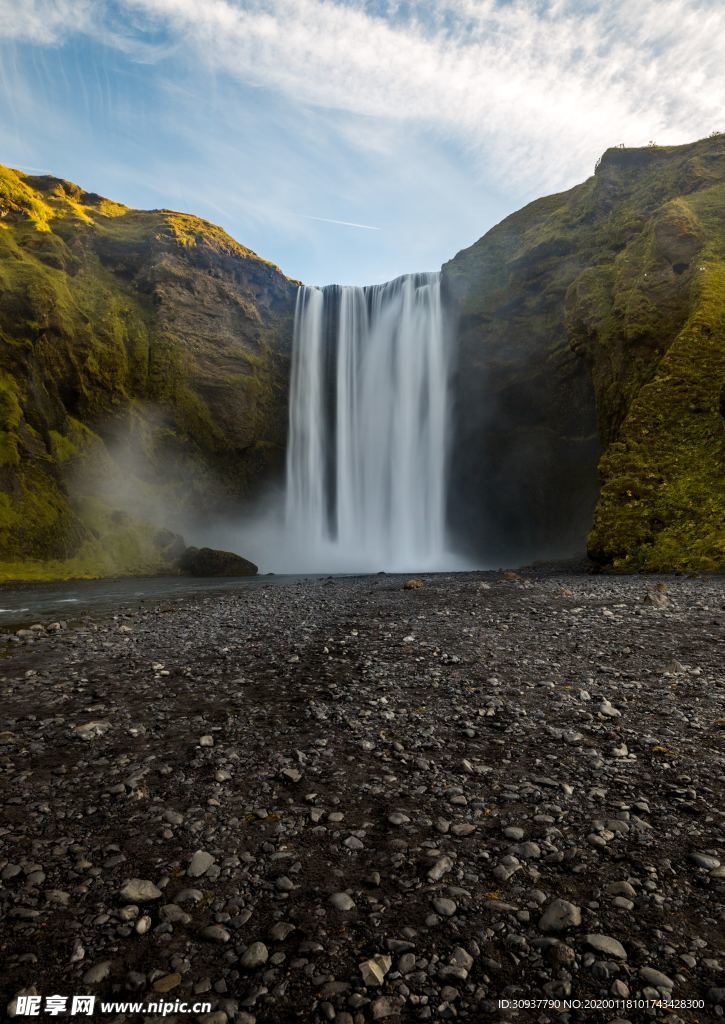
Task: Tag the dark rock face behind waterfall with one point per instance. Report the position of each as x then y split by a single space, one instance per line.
593 323
148 351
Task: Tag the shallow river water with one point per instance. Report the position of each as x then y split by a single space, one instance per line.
23 603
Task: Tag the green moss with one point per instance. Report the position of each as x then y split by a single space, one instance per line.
115 544
16 196
661 504
9 454
11 411
62 448
94 346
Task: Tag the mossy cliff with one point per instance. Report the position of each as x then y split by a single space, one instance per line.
591 330
143 361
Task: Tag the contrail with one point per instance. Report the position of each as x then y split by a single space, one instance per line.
344 223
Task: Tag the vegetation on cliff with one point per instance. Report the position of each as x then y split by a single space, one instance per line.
607 303
144 366
141 353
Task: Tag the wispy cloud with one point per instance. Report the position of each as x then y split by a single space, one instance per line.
45 21
527 84
343 223
432 117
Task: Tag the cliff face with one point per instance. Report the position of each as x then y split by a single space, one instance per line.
591 330
144 370
144 361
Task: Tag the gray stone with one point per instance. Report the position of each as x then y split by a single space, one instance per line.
704 860
440 868
199 864
140 890
341 901
607 945
254 956
98 973
656 978
560 915
621 889
215 933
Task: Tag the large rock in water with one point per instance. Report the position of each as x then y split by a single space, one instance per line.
212 562
591 331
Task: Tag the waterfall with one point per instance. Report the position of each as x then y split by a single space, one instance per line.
368 428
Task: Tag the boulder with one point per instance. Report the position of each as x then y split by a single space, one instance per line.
212 562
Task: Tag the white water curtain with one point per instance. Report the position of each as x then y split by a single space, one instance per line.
369 427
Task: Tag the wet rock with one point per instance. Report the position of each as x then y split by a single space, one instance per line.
211 562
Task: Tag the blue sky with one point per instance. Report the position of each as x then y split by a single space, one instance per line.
417 125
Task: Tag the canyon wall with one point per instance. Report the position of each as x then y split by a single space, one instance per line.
591 333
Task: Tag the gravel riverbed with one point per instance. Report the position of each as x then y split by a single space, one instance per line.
343 800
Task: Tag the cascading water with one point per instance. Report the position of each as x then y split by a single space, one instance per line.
368 438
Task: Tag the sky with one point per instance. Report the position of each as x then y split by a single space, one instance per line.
350 141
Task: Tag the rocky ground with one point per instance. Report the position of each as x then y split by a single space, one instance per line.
342 800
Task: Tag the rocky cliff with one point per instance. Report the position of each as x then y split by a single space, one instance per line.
144 361
591 329
144 370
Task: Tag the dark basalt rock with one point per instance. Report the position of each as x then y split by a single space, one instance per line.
212 562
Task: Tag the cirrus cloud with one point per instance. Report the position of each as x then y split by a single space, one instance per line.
531 84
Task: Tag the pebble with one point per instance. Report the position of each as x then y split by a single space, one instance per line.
341 901
199 864
167 983
560 915
254 956
704 860
656 978
492 721
607 945
140 890
373 971
216 933
98 973
441 867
